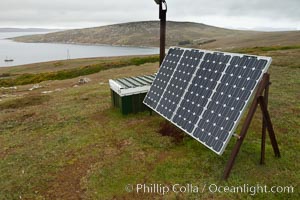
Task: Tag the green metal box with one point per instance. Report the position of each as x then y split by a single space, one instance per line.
128 94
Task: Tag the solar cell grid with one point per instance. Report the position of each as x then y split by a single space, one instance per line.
180 80
160 82
206 92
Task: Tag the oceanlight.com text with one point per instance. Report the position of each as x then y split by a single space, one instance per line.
163 189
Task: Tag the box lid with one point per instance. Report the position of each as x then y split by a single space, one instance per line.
132 85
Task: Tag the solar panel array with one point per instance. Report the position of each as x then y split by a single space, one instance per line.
205 93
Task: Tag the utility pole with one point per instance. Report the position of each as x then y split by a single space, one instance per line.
162 16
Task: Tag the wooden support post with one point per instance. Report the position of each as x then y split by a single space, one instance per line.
239 142
267 124
264 127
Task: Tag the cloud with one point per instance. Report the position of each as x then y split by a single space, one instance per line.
75 13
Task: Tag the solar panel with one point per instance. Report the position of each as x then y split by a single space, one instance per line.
205 93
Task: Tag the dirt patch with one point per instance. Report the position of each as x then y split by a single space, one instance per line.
9 150
67 182
137 196
160 158
100 117
168 129
123 143
134 122
23 102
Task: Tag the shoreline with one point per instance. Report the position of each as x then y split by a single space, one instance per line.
152 51
74 59
86 59
84 44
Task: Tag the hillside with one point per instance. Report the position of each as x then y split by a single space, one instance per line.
178 33
64 141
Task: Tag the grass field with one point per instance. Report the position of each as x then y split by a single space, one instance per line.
69 143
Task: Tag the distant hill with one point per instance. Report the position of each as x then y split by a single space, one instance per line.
188 34
27 30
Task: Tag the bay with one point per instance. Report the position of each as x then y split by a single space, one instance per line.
27 53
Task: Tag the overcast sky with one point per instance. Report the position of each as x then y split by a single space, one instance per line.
241 14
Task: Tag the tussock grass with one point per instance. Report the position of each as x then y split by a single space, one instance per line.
24 79
266 49
3 75
23 102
